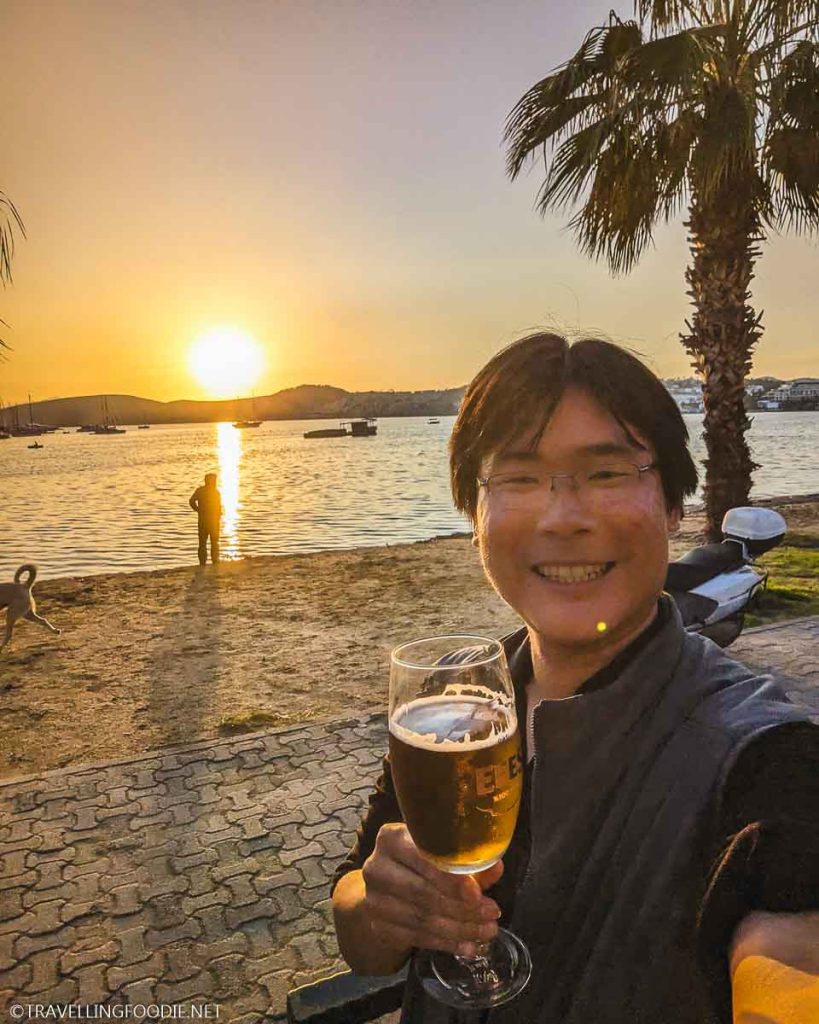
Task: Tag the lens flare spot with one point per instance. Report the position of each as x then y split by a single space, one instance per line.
601 627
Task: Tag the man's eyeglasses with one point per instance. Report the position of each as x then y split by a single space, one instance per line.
524 488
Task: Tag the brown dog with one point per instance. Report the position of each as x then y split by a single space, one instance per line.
18 601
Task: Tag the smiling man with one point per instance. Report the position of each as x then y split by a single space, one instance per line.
667 840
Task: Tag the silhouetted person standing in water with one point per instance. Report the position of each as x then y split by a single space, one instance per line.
207 503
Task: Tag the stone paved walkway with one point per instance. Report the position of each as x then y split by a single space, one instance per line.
200 874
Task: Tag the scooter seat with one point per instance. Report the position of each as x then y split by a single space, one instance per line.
701 564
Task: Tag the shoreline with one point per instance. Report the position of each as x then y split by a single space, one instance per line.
153 658
692 511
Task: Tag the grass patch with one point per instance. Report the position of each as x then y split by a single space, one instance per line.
793 582
252 721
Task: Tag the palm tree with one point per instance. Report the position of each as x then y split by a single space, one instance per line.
8 218
712 105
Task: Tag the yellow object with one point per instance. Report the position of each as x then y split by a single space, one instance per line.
601 627
768 991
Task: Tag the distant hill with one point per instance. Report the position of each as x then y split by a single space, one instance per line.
308 401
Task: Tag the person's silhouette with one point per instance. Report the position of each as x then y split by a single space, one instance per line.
207 503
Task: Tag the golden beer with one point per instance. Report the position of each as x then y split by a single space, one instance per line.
456 766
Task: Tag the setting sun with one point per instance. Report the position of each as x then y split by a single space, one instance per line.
226 361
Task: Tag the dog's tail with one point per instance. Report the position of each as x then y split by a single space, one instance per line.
29 568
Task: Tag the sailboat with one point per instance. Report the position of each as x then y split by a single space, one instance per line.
109 423
30 429
244 424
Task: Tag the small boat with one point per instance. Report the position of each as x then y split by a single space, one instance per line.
328 432
144 426
433 419
36 445
364 427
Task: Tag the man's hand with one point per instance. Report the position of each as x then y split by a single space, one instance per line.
775 968
399 900
409 902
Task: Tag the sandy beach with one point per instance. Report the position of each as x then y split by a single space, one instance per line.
151 659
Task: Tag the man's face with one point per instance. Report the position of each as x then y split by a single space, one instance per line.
621 537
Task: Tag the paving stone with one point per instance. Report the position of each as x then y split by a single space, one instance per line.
118 976
84 956
124 899
258 936
46 971
311 849
18 978
183 991
260 908
140 993
268 884
243 892
166 911
132 945
189 929
77 911
93 987
213 923
182 962
215 898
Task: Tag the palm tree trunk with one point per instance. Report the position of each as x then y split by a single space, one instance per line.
723 237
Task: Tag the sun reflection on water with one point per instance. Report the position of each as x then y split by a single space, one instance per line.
229 451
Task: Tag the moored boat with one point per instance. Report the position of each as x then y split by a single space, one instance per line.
327 432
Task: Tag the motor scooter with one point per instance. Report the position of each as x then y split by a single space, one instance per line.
713 585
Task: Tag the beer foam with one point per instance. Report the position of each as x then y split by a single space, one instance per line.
471 698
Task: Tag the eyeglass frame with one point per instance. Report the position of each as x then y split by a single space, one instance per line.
484 481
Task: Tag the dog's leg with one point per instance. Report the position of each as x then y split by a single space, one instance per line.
10 618
32 616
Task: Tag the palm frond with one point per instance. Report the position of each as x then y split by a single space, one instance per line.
671 61
10 218
573 165
616 220
523 131
4 344
664 14
792 161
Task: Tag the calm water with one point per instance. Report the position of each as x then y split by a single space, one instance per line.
86 504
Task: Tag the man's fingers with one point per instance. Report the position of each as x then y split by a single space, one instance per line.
486 879
397 840
418 895
427 928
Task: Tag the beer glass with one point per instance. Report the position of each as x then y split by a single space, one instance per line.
456 765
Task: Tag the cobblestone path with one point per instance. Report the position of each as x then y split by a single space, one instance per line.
199 874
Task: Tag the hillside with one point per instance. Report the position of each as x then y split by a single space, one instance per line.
308 401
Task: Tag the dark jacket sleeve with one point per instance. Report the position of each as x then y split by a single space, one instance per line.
768 843
383 808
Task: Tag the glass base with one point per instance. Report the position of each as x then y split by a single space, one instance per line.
497 976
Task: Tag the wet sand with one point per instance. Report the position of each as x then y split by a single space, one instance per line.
151 659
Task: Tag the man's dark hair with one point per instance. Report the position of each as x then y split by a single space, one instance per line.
519 389
209 476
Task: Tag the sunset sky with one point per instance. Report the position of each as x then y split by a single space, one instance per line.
326 176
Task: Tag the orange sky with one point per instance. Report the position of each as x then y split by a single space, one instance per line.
325 176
